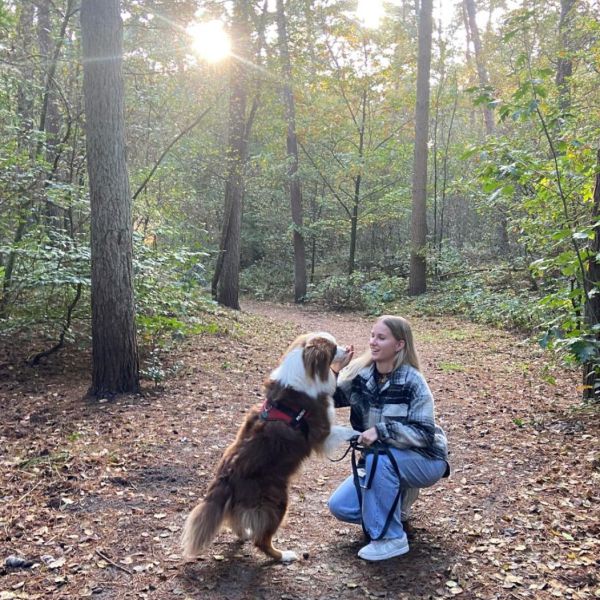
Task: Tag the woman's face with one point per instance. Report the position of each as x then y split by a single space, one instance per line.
383 344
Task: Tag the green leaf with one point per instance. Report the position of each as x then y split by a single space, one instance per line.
584 350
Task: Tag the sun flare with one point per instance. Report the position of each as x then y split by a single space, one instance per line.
210 41
370 12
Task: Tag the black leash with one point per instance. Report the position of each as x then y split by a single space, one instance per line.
375 449
352 444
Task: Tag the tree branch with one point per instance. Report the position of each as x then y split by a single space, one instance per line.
168 148
324 179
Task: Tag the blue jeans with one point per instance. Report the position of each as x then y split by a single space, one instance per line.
416 471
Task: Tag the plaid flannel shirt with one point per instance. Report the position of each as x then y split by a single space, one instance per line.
402 409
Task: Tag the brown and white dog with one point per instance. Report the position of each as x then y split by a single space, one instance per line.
250 489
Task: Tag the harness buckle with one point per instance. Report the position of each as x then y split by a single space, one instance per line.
299 416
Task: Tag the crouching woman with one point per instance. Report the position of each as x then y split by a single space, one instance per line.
391 404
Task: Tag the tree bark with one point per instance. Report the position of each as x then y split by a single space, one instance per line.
295 190
564 68
226 280
357 184
418 264
484 80
592 283
50 124
502 238
115 366
24 91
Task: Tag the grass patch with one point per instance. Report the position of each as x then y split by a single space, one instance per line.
451 367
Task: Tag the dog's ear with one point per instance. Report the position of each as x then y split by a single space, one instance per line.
299 342
317 356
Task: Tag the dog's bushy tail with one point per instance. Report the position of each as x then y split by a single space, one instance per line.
205 520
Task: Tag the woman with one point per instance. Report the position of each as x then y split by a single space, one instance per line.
392 406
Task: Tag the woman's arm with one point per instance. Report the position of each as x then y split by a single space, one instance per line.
341 397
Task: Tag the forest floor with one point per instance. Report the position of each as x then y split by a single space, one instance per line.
95 493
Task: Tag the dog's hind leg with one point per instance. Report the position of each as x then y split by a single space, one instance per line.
244 533
266 545
263 537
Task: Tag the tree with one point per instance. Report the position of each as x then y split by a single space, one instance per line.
592 283
482 74
564 65
488 116
115 367
418 264
292 152
226 279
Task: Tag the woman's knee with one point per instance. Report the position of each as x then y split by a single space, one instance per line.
335 509
342 509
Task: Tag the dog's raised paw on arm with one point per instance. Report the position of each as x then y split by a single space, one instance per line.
338 436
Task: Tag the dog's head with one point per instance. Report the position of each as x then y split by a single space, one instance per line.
306 364
319 351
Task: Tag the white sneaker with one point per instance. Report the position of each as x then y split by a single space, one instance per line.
384 549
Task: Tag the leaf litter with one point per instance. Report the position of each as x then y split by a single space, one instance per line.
94 495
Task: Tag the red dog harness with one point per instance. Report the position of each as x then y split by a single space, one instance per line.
280 412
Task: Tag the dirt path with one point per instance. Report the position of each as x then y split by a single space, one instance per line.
103 489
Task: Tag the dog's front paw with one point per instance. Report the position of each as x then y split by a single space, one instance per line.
288 556
338 436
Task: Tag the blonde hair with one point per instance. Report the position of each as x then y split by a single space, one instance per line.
401 330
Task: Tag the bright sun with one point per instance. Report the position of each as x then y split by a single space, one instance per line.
370 12
210 41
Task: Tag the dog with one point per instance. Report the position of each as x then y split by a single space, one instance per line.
249 491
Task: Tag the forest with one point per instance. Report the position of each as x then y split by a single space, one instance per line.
185 183
305 162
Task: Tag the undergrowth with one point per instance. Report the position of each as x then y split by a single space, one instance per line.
497 297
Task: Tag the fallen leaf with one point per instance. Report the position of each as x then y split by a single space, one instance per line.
56 564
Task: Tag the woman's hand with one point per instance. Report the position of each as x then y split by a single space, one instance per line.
368 437
338 365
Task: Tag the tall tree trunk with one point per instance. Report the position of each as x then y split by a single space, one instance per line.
292 154
468 59
51 122
24 91
564 67
592 284
437 126
226 280
418 264
484 80
115 367
357 184
502 238
50 117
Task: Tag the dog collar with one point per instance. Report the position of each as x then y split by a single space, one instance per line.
277 411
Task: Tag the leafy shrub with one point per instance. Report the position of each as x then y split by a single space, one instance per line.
267 280
355 292
49 267
171 302
497 296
